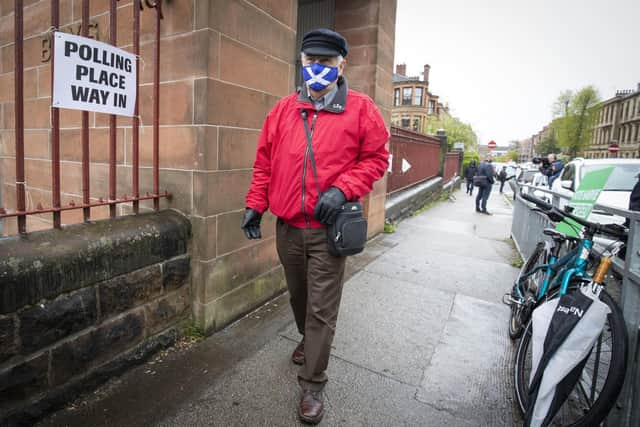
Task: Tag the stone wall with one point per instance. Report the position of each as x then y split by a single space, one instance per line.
81 304
224 64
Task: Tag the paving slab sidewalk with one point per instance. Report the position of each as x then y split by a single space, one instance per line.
421 341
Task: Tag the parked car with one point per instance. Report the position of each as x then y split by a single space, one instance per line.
539 180
616 192
526 176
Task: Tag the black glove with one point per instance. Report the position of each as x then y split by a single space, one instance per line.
251 224
328 205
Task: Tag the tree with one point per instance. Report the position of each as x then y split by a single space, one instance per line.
574 127
548 144
509 156
561 105
457 131
468 156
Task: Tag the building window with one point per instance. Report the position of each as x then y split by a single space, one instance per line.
417 124
406 96
406 122
394 120
431 108
396 97
417 96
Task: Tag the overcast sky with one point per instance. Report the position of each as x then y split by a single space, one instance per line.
500 64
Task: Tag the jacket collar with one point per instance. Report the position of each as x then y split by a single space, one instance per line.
339 102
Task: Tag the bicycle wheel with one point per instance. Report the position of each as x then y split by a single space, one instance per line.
520 313
600 382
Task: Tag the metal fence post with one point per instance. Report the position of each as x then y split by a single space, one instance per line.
627 410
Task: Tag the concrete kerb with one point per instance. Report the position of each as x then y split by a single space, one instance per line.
400 205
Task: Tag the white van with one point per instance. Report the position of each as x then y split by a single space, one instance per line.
616 192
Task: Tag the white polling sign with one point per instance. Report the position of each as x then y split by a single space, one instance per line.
93 76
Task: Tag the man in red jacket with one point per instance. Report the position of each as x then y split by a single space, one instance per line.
349 138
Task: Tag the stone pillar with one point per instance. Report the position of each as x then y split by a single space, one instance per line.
251 56
369 27
442 136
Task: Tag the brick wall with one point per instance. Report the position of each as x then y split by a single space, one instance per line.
103 297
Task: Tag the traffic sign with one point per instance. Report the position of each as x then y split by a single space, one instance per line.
492 145
613 148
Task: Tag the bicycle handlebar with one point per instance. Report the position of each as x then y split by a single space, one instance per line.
613 230
536 201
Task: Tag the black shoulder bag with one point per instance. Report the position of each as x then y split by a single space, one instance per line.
348 233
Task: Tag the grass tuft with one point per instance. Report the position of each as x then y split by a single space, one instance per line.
515 259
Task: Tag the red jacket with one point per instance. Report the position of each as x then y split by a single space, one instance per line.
349 145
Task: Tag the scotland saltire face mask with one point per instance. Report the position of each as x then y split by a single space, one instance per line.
319 76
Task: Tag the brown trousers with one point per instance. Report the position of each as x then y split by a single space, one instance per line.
314 278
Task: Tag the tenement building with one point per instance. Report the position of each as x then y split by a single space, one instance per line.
618 122
413 105
528 147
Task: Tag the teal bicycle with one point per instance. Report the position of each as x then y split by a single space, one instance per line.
547 275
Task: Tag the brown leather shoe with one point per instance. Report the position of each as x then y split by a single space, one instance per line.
311 407
297 356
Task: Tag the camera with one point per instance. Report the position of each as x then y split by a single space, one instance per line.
541 160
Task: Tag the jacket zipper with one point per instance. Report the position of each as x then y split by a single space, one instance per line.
304 169
304 174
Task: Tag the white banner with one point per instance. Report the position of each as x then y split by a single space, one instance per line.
93 76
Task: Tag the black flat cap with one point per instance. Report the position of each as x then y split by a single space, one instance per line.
324 42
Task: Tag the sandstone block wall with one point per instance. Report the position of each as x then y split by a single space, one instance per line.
81 304
224 64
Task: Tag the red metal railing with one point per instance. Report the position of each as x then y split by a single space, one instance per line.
56 207
415 158
451 165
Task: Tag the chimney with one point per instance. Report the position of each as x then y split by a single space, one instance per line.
427 67
638 89
401 69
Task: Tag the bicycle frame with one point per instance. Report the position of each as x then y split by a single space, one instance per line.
573 264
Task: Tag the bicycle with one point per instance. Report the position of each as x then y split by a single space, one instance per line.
536 276
594 394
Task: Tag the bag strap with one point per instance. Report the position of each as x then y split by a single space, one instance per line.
309 134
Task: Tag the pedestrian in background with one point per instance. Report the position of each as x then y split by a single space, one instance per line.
469 173
484 181
348 136
502 177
